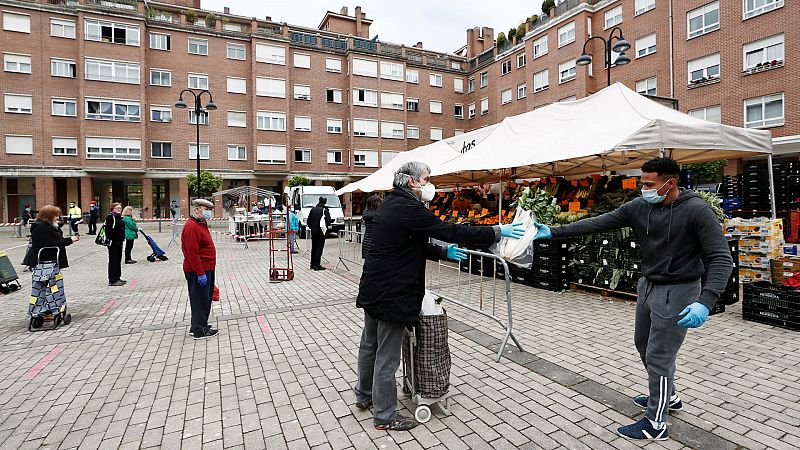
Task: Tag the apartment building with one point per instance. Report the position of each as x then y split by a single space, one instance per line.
89 88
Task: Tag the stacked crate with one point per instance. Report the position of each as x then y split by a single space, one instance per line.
755 185
760 240
772 304
550 268
731 192
783 268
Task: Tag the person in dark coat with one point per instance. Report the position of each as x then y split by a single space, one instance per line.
199 265
94 215
27 215
45 232
393 283
373 203
115 230
317 236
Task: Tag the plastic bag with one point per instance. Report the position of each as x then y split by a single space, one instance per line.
519 251
429 305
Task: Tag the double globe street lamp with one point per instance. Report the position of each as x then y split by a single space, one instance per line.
621 46
198 110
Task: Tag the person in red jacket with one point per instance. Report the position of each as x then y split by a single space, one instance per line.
199 262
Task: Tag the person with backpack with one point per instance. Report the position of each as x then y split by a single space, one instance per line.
315 218
94 215
115 232
131 233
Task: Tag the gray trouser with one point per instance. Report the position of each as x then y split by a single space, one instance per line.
658 337
378 361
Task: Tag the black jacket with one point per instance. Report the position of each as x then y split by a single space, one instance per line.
115 228
393 279
366 241
315 216
43 235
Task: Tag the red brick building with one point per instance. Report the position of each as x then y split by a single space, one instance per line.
89 88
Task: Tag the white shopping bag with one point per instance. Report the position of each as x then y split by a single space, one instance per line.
429 305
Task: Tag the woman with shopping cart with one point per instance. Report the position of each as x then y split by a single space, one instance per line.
46 234
393 283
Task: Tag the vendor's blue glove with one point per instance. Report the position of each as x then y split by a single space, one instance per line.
202 280
513 231
456 254
542 232
696 315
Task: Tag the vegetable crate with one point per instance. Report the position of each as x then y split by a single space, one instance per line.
772 305
478 265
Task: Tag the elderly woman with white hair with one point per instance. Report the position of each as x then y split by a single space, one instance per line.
393 283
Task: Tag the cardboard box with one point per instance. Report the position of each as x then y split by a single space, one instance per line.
783 268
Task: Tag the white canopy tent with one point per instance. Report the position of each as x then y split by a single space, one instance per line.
613 129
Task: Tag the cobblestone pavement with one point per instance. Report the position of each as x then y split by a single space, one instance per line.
125 373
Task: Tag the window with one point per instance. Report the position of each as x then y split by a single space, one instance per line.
392 71
365 158
391 100
471 110
471 85
232 27
642 6
505 96
271 154
236 51
19 145
521 60
113 71
387 157
365 67
436 134
115 33
764 111
237 152
193 150
162 16
435 107
484 79
365 97
505 67
522 91
333 65
763 51
412 76
18 104
540 47
237 119
456 132
458 85
393 130
20 23
302 92
648 86
646 45
65 146
706 67
302 60
455 65
62 68
436 80
566 71
484 106
63 107
161 149
159 77
302 123
271 120
270 87
613 17
117 110
412 132
113 148
13 62
702 20
160 41
333 95
365 127
62 28
709 113
566 34
334 126
194 118
271 54
334 156
198 81
198 46
160 114
458 111
755 7
237 85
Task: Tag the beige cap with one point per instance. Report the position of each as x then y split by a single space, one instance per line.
202 202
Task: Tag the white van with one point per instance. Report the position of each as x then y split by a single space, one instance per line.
303 198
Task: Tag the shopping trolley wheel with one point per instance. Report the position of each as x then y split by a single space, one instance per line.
151 258
15 287
37 322
406 390
5 289
273 275
290 275
422 414
67 319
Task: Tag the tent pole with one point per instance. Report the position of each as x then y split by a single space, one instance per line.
771 186
500 201
661 152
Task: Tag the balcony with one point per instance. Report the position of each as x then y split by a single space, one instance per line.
303 38
362 44
270 28
336 44
391 49
120 4
763 67
702 82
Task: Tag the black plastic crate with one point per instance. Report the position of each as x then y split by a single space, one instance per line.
771 304
551 246
606 239
550 273
584 274
521 275
608 257
549 285
473 265
550 261
718 308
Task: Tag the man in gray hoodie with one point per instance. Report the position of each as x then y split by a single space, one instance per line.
677 231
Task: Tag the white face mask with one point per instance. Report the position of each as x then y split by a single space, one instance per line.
207 213
428 191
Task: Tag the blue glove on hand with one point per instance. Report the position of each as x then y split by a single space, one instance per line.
202 280
696 315
542 232
513 231
456 254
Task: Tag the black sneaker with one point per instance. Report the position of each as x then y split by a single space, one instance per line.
207 334
641 401
400 423
643 431
130 261
117 283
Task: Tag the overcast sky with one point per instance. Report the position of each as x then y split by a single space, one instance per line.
440 25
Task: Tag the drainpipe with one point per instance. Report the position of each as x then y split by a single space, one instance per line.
671 62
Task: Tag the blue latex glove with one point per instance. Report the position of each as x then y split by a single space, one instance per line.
513 230
456 254
202 280
696 315
542 232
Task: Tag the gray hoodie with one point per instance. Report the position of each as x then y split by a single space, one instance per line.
675 239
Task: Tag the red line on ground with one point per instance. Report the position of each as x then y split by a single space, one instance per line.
133 284
106 307
263 322
231 276
43 362
246 291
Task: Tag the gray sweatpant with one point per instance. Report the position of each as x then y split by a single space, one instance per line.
378 361
658 337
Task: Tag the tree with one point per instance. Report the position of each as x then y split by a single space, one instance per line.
511 34
533 18
501 39
299 181
707 172
211 20
521 30
191 16
547 5
209 183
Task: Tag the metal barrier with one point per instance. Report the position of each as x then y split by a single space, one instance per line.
17 227
350 249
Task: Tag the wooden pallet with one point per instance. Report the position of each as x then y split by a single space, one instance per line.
604 292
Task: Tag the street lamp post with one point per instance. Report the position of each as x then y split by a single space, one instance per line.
198 108
620 47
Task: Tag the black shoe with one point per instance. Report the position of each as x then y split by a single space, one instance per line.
207 334
91 233
130 261
117 283
400 423
641 401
